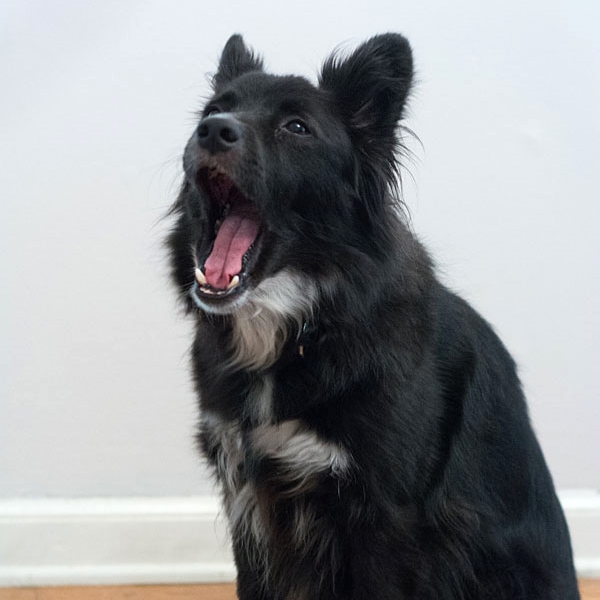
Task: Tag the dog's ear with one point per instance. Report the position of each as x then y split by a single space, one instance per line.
236 59
371 85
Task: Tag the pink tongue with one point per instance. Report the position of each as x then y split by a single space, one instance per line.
236 234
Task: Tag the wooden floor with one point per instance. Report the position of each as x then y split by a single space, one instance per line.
590 590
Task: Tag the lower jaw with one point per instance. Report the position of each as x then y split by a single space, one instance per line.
219 304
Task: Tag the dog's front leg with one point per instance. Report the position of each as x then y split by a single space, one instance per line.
251 580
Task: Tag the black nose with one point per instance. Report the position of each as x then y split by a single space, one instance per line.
218 133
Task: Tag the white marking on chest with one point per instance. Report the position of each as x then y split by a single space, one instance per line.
303 458
260 400
302 454
226 437
246 520
261 326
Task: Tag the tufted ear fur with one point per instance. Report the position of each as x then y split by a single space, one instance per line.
236 59
371 86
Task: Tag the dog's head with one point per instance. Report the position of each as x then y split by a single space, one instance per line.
288 180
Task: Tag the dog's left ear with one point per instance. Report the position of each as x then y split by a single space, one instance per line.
236 59
370 87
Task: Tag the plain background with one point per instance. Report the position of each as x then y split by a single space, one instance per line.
97 100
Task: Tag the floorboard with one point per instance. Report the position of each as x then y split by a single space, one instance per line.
590 590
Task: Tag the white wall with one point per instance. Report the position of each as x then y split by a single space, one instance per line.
96 103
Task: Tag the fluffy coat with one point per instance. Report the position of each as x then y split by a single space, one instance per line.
366 426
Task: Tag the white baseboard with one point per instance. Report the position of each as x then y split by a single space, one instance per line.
113 541
582 509
167 540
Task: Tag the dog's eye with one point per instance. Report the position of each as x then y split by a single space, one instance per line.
297 127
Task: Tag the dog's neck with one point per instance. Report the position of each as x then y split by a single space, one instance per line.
278 310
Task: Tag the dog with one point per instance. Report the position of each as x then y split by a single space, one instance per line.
366 426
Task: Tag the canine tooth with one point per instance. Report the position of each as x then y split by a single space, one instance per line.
234 282
200 277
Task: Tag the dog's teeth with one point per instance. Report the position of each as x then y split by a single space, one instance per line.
234 282
200 277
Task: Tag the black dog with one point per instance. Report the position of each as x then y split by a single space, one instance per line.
367 427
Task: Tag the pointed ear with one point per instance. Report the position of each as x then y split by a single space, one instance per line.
371 85
236 59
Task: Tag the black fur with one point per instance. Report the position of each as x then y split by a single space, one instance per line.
380 446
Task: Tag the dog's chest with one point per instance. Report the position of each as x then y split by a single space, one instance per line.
265 464
299 454
227 442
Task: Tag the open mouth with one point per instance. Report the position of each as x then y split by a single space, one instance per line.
237 228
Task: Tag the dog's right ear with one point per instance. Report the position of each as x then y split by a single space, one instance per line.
236 59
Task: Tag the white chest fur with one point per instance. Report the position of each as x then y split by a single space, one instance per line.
299 458
261 324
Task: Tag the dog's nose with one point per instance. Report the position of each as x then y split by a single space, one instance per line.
218 133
